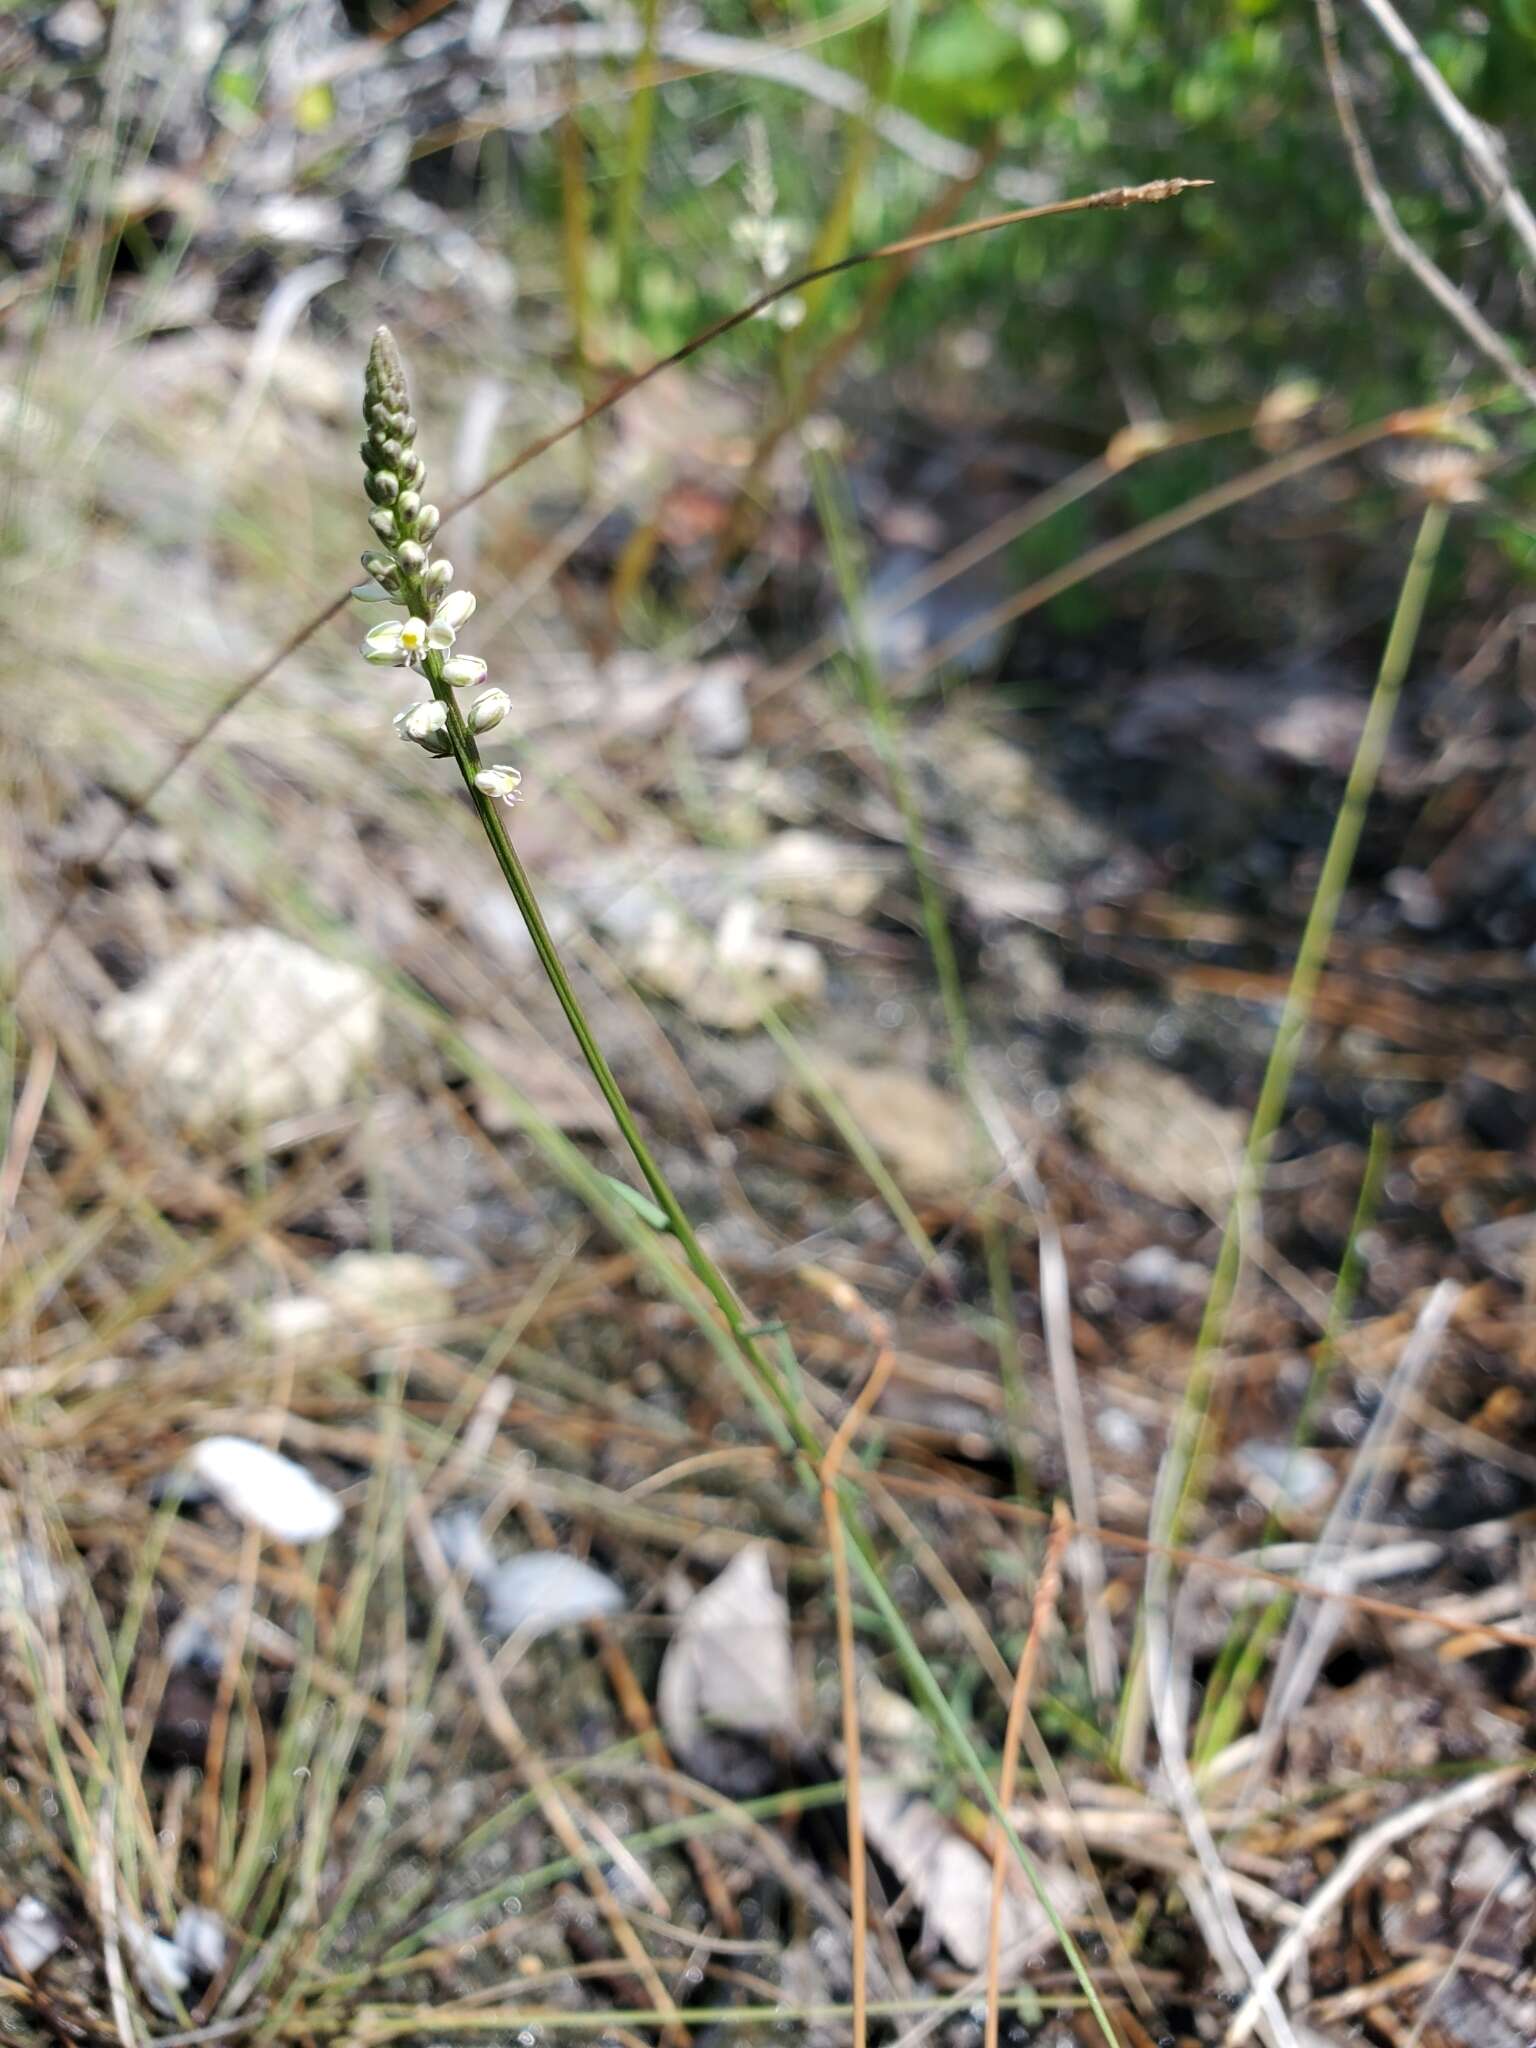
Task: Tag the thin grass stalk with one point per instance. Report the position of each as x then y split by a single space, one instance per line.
1180 1467
1043 1611
1242 1655
831 1466
637 149
576 234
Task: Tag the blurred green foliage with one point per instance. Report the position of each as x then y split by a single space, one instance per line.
1276 271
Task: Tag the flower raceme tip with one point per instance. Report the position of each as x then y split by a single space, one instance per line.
403 572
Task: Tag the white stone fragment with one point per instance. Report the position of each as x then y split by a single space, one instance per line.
265 1489
241 1027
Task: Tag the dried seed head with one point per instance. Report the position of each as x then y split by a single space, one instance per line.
1443 475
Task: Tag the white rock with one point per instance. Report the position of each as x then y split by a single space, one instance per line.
30 1934
730 1664
463 1545
266 1489
814 869
951 1880
925 1136
1158 1134
1286 1473
726 978
162 1970
715 710
246 1026
202 1941
545 1590
393 1289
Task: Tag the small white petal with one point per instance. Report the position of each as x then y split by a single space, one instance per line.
413 635
385 635
460 669
384 657
264 1488
440 636
499 782
455 609
372 593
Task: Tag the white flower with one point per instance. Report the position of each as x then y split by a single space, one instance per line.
460 669
398 641
489 710
499 782
266 1489
454 611
424 723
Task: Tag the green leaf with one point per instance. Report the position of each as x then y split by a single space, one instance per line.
641 1204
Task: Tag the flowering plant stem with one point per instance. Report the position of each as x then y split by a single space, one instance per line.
420 645
809 1461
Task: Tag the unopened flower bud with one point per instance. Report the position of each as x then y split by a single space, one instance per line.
499 782
424 724
407 505
382 520
428 519
456 608
411 557
460 669
413 468
380 567
438 577
382 485
488 711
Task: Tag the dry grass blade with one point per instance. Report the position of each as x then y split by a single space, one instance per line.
501 1724
880 1371
1369 1848
1310 1636
1478 143
1042 1614
1441 289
